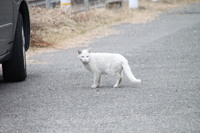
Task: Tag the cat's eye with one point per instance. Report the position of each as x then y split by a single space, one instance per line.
82 56
87 56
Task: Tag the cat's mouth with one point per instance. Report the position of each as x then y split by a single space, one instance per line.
85 62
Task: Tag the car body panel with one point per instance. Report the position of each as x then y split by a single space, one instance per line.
9 10
6 25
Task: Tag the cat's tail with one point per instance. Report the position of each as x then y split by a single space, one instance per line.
129 74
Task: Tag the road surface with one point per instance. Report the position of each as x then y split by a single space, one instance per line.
164 53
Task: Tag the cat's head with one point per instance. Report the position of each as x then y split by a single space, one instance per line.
84 56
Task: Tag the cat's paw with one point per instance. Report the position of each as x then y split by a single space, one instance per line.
116 86
94 86
137 81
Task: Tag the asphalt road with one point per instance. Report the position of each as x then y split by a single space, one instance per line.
164 53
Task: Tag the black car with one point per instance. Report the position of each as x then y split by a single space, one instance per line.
14 39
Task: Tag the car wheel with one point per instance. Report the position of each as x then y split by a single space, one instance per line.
15 69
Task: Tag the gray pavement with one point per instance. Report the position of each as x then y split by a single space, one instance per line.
164 53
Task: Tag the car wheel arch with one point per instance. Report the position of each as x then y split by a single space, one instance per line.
23 9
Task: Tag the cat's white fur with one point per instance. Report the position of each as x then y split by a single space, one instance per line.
106 63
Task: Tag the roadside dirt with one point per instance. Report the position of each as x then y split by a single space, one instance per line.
56 29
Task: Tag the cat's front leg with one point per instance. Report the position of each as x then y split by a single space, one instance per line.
97 79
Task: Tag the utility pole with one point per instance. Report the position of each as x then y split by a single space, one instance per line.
86 4
65 4
48 4
133 3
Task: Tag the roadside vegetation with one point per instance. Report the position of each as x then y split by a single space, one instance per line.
50 28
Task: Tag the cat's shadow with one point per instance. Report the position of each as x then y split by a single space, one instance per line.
122 87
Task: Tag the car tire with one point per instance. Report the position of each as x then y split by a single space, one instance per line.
15 69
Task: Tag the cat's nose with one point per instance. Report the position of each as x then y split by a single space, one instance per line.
84 60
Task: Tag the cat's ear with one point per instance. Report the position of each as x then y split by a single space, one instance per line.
79 51
88 50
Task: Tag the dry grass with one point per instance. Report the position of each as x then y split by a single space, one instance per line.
53 27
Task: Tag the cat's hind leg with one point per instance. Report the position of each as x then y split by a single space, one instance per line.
97 79
119 80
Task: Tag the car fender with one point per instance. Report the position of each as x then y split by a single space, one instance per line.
23 9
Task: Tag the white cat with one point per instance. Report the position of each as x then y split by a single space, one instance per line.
106 63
